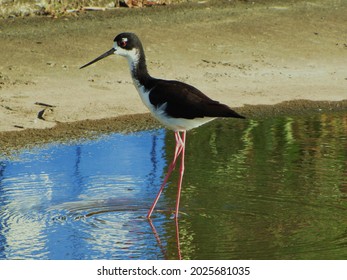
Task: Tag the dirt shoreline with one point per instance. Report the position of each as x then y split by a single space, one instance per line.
12 141
269 58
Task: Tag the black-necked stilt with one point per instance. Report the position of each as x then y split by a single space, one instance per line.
177 105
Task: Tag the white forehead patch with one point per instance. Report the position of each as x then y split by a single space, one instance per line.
124 39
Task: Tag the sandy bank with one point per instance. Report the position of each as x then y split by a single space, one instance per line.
261 54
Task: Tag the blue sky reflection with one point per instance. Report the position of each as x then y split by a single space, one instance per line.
47 193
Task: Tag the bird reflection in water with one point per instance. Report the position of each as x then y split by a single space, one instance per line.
160 244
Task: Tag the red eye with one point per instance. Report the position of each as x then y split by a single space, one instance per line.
122 43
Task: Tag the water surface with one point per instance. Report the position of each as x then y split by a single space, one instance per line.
254 189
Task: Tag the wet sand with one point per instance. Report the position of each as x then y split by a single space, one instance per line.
271 58
14 141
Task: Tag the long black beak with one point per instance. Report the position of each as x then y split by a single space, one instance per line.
111 51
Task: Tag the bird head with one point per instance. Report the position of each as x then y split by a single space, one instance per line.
125 44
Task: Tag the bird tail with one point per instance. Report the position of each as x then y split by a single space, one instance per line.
233 114
222 110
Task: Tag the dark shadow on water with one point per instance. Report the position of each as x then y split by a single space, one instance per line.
255 189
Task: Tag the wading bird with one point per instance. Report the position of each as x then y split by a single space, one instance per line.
176 105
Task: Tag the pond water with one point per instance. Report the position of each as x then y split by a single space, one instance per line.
255 189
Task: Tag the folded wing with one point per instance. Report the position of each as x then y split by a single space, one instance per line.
185 101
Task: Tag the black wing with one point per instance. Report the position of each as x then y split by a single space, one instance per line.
185 101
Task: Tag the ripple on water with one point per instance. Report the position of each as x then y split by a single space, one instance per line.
257 189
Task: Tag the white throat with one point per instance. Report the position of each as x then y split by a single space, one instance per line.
133 58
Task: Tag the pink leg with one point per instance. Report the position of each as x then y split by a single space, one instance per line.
179 187
178 149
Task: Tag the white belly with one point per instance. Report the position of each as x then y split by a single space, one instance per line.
176 124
